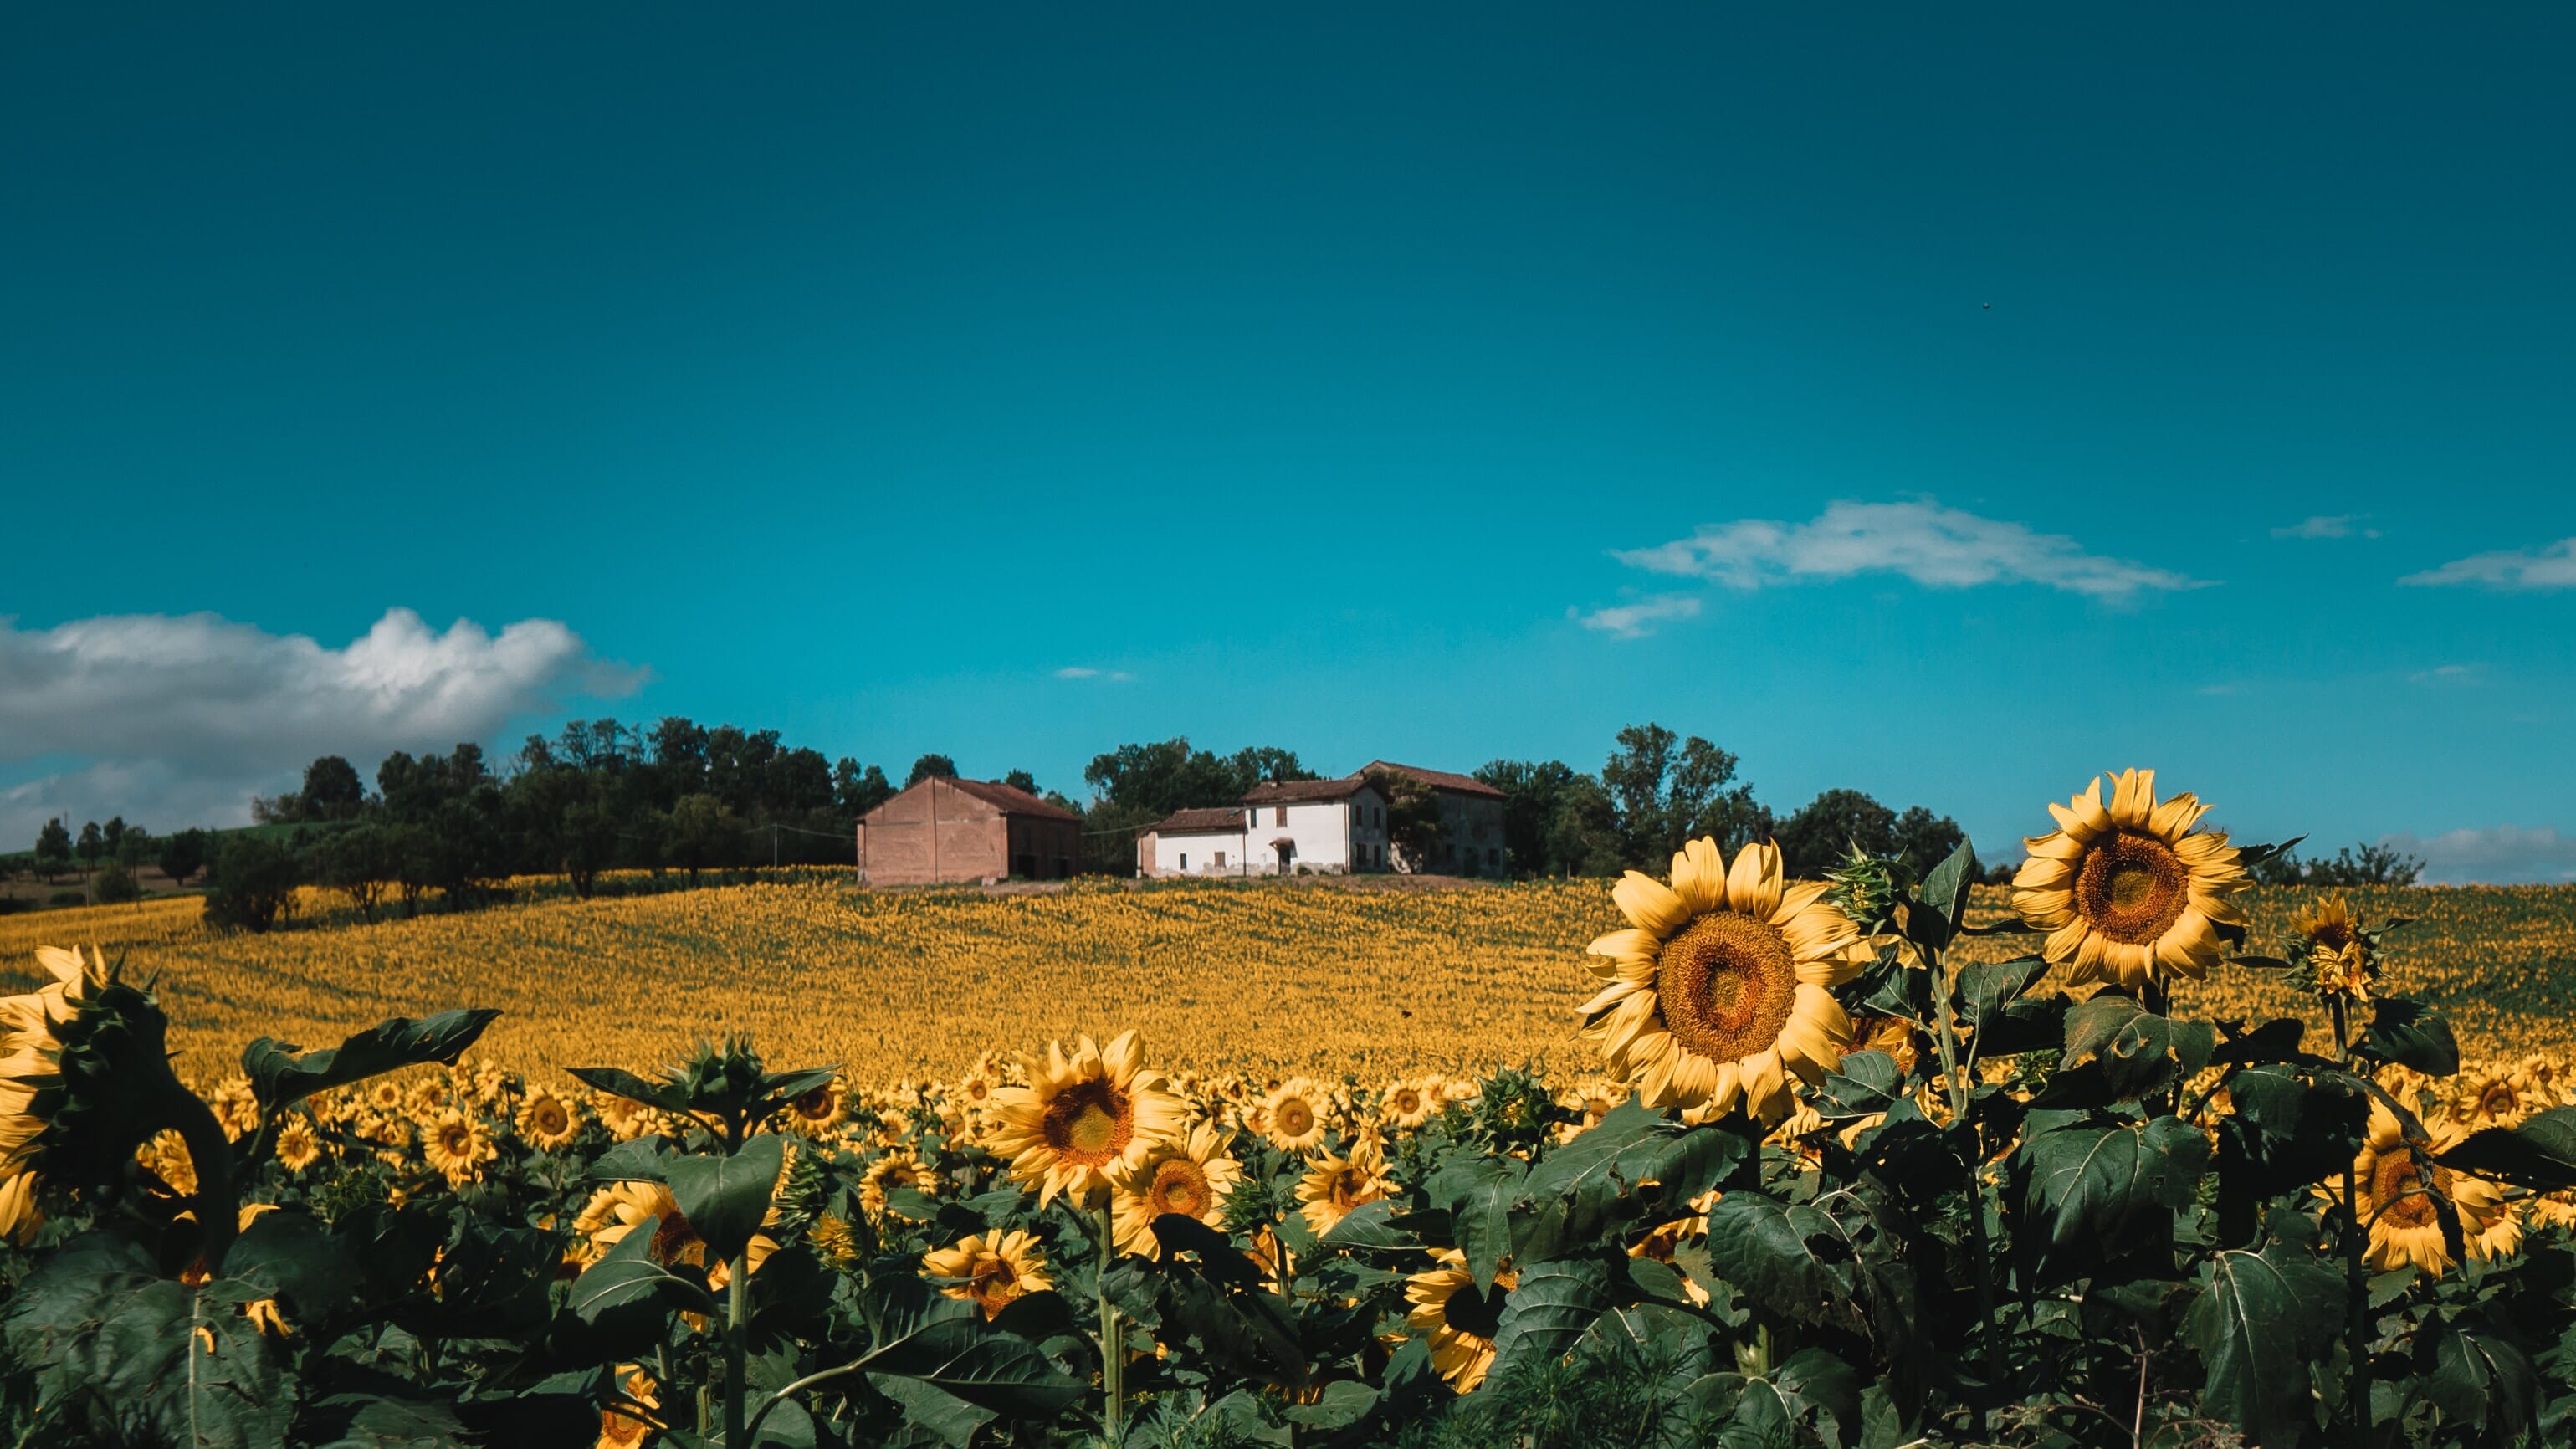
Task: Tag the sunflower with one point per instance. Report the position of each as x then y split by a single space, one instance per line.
2126 892
1335 1185
2340 961
621 1430
297 1146
1293 1115
839 1246
1893 1035
1082 1117
621 1207
385 1095
2396 1202
818 1111
992 1272
30 1049
1719 987
167 1155
548 1121
1410 1103
457 1147
894 1170
1189 1175
1461 1320
625 1119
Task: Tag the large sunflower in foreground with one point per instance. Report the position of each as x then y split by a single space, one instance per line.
1083 1117
2395 1188
991 1272
1461 1320
1188 1175
1719 988
30 1051
1337 1184
2126 892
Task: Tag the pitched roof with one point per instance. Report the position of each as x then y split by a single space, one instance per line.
1290 792
1436 779
1011 800
1226 820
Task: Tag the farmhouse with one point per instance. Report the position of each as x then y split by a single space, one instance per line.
945 832
1471 821
1331 827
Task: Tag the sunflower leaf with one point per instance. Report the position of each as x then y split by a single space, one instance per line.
626 1296
1944 897
1767 1249
2098 1184
2406 1033
1986 987
926 1335
2137 1051
618 1082
724 1197
2482 1380
1368 1228
1866 1083
2255 1327
1548 1311
2539 1154
1478 1193
278 1076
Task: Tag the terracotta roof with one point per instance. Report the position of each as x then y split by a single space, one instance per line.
1290 792
1436 779
1227 820
1012 801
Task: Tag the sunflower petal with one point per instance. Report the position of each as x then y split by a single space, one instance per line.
1699 876
1753 883
1650 905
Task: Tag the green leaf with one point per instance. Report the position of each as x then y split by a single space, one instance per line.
1251 1332
924 1334
2097 1184
618 1082
2539 1153
1478 1193
638 1159
725 1197
1814 1381
2404 1032
1344 1402
946 1417
1548 1312
2276 1040
123 1355
626 1297
1767 1249
2255 1327
1945 894
1369 1228
2138 1051
1865 1083
1985 987
313 1275
2482 1380
1581 1192
402 1424
279 1077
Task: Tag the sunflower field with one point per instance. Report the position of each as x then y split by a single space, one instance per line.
2125 1154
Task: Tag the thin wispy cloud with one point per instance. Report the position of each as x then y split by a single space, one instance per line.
1077 671
2496 855
2447 674
2513 570
173 715
1934 546
1632 621
2339 525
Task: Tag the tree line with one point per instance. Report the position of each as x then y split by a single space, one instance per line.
680 797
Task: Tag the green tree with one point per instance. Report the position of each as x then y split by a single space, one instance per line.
699 834
1924 840
332 790
359 863
1413 828
183 854
53 848
1158 778
255 882
1556 820
93 844
856 791
1668 791
1021 780
115 885
929 766
1824 831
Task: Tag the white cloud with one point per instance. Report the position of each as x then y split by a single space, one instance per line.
2553 567
1629 621
176 720
2339 525
2497 855
2447 674
1932 545
1077 671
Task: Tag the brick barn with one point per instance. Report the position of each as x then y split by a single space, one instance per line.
966 832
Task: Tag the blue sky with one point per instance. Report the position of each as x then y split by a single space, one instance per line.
1951 405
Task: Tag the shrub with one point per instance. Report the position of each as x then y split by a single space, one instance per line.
115 885
255 882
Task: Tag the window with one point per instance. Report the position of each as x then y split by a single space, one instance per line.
1220 865
1185 860
1278 814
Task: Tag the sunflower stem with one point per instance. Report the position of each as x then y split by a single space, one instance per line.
737 1330
1113 1354
2356 1310
210 1154
1955 1076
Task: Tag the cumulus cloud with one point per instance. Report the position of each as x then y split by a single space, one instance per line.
185 716
2497 855
2553 567
1630 621
2339 525
1935 546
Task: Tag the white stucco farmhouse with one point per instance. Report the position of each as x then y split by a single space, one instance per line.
1332 827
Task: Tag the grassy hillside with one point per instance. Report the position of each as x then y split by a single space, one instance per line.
1306 975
